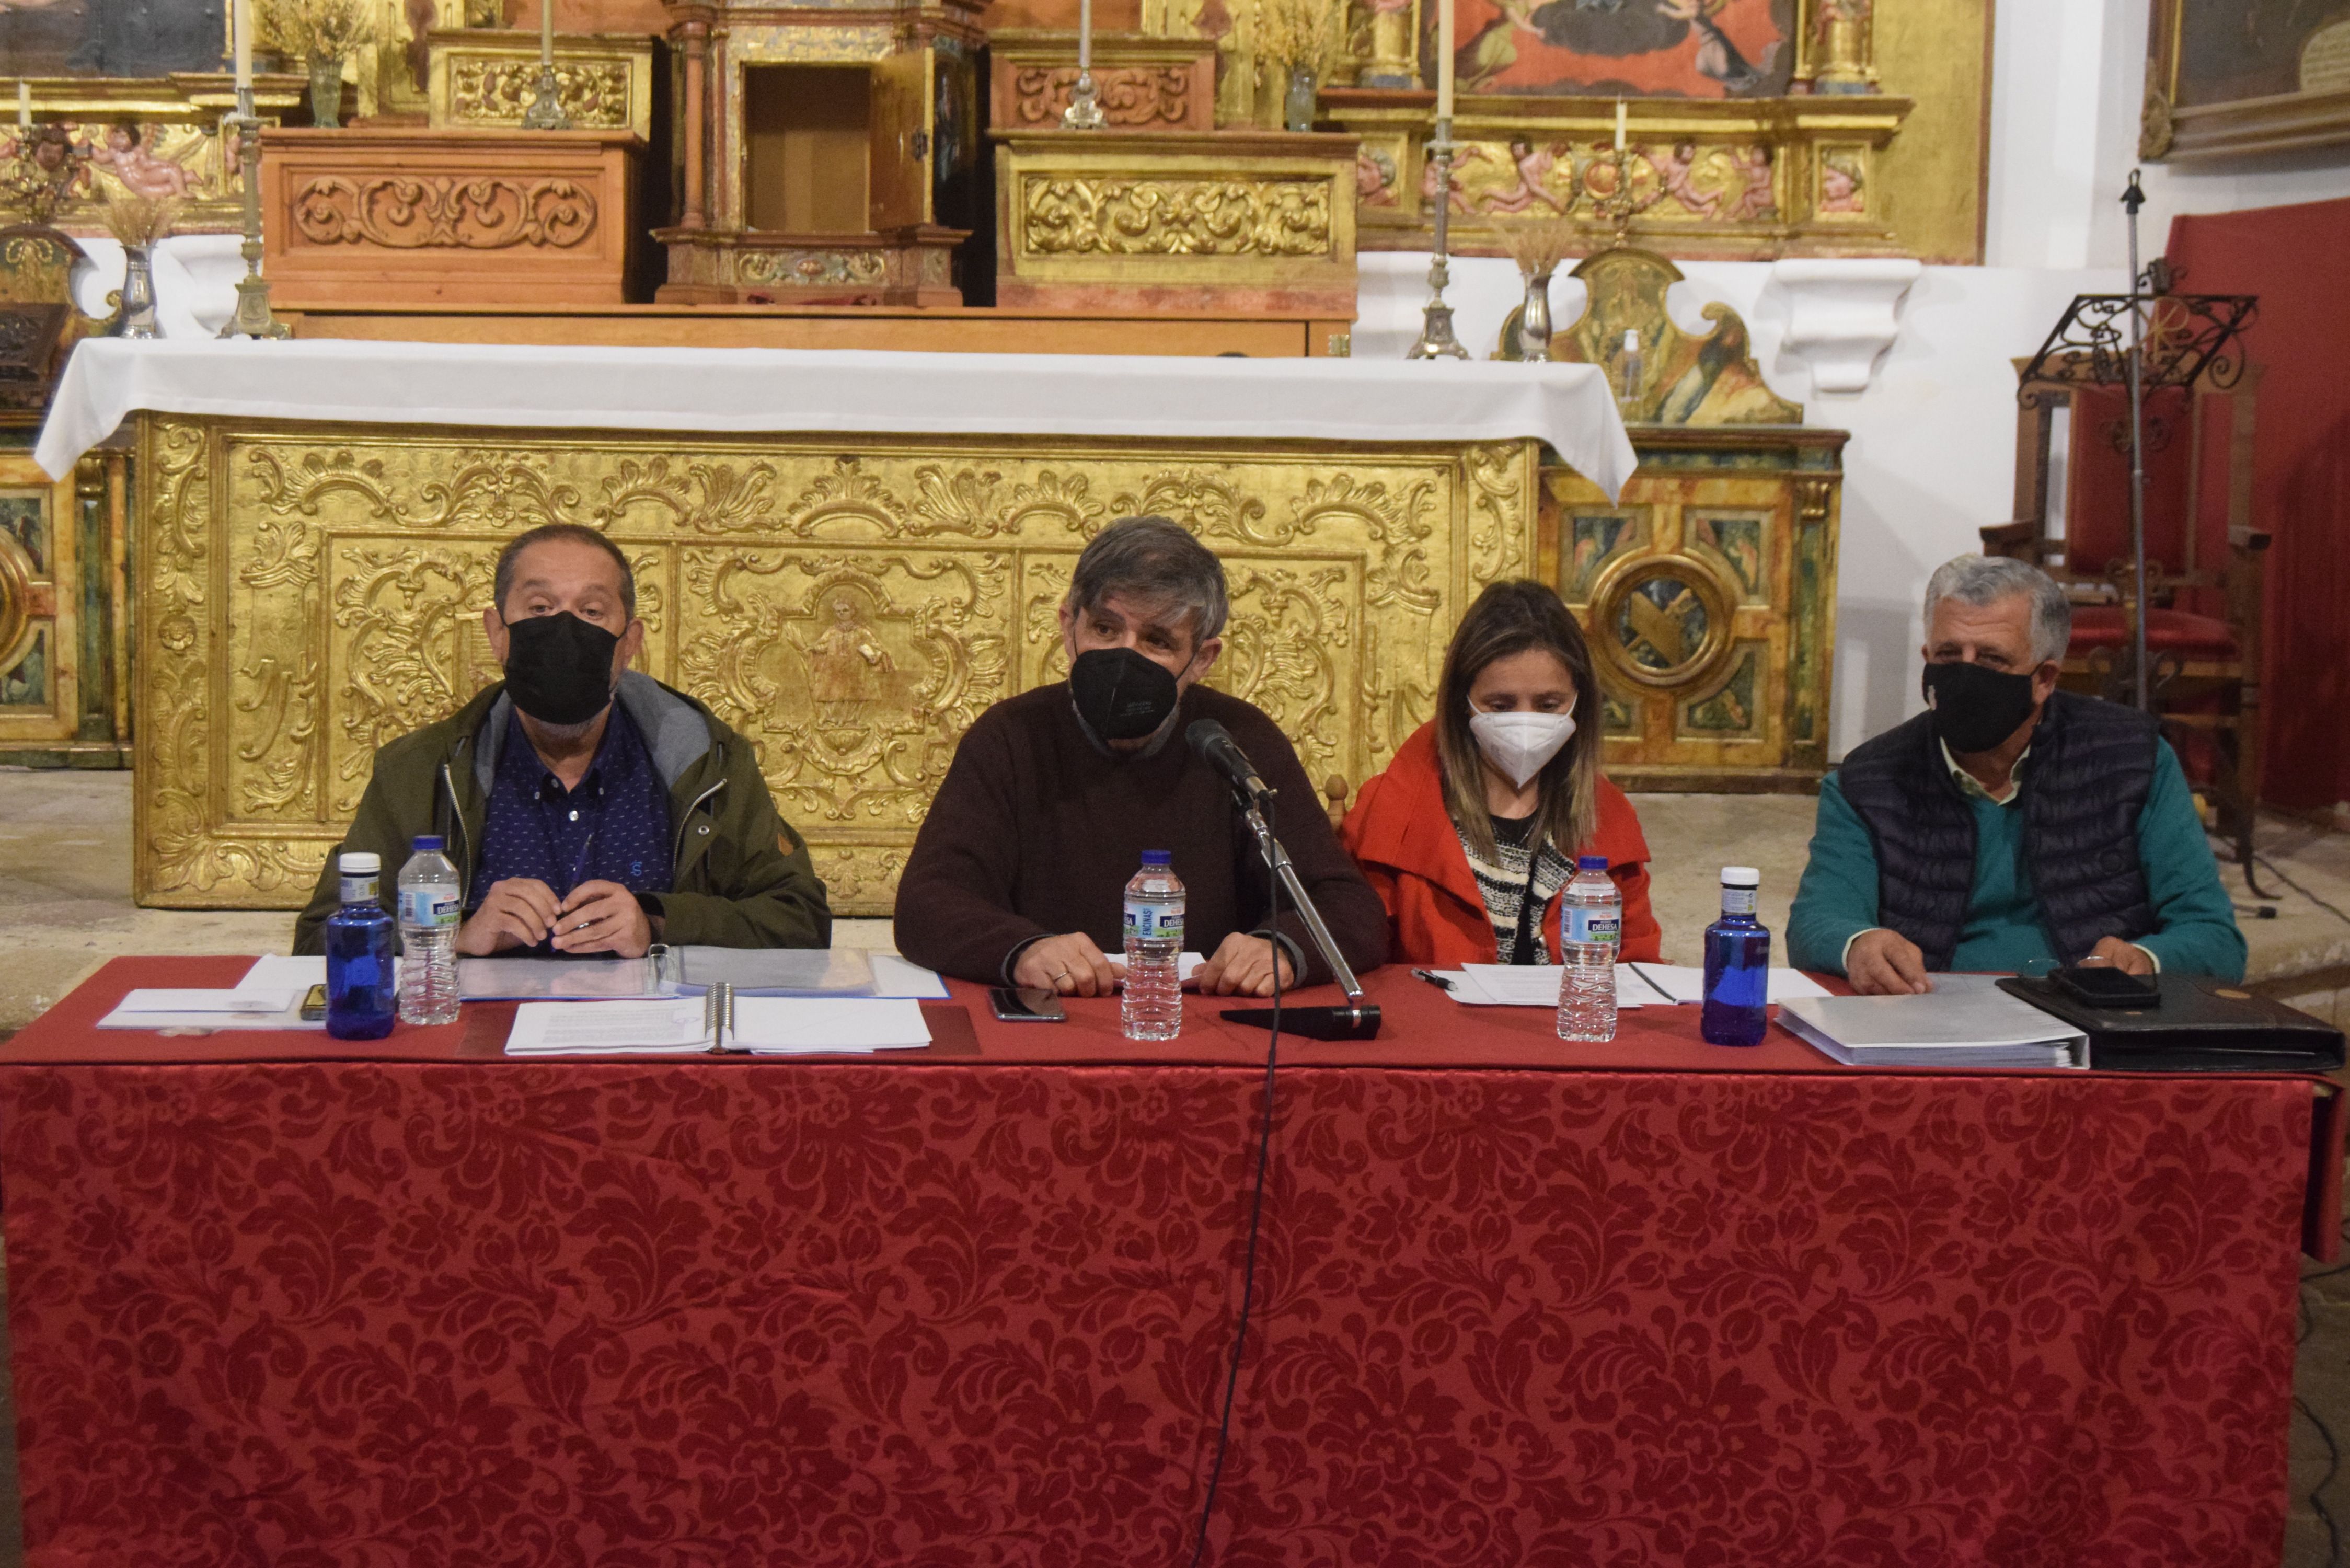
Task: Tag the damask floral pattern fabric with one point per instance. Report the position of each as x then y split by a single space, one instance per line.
627 1315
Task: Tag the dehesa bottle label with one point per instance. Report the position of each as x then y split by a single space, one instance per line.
1153 923
428 907
1588 924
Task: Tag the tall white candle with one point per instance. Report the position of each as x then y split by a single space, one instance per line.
1084 35
242 23
1622 122
546 32
23 105
1444 59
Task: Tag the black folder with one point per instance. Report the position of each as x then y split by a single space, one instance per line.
2201 1025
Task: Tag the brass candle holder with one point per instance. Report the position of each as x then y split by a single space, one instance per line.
1436 340
252 317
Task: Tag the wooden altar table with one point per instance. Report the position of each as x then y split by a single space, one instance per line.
273 1298
315 525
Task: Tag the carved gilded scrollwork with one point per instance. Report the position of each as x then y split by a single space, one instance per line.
849 612
1147 96
494 90
1174 217
477 212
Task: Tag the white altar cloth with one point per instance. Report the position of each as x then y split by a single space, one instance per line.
849 391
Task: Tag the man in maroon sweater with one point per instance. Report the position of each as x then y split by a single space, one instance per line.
1018 875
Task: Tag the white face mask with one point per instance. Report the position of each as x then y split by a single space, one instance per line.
1521 743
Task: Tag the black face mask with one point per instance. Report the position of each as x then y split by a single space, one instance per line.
559 668
1975 708
1120 694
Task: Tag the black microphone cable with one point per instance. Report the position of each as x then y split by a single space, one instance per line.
1256 1208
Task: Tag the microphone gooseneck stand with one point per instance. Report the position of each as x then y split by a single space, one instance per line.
1357 1019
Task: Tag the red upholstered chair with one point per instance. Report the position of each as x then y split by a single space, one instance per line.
2204 565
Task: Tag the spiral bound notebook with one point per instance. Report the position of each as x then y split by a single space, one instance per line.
1968 1028
718 1020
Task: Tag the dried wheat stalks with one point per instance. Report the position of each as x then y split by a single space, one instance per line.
1538 244
140 220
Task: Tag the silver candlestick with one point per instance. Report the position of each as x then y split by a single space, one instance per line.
546 110
1084 111
1436 339
252 317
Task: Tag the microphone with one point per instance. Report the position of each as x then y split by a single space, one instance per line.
1215 746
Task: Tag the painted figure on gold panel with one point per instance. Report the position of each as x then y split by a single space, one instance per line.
1595 539
1534 166
1739 540
1674 171
125 154
1758 194
1842 189
849 668
1720 385
28 685
20 522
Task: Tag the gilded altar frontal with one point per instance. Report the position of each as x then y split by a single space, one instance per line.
312 592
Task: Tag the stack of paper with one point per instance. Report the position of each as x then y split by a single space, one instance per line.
1682 983
270 996
1637 984
764 1025
1964 1028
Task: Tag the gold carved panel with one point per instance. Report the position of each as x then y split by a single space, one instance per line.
1708 592
485 78
314 592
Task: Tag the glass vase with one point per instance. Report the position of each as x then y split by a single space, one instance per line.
137 297
1297 105
326 90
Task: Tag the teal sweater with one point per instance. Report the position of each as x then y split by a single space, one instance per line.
2194 924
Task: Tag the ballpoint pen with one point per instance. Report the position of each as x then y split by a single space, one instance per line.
1437 980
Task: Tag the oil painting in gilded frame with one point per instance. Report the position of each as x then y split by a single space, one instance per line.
2230 79
1630 48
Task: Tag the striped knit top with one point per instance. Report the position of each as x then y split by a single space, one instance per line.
1502 882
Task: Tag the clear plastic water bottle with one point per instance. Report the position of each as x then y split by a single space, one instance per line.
1153 1008
429 912
1591 933
359 999
1737 965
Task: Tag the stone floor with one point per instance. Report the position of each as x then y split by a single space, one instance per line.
64 908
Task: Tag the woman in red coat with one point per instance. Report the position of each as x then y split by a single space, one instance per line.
1473 829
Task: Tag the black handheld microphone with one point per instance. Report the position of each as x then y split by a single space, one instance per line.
1214 743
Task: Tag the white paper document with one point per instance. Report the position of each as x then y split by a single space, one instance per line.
764 1025
533 979
1533 985
1684 983
775 972
1970 1028
274 1002
893 976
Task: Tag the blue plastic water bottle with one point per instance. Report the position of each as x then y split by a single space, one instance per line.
1737 965
361 997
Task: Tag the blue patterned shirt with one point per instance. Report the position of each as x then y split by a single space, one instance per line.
614 827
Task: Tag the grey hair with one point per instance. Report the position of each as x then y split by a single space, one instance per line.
1985 580
1156 561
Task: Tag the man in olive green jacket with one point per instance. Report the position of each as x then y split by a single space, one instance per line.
576 761
742 877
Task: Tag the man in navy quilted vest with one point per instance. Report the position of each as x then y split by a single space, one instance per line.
2010 827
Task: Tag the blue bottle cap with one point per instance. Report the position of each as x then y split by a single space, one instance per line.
1157 857
430 842
1591 863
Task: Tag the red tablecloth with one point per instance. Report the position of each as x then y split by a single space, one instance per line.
276 1300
